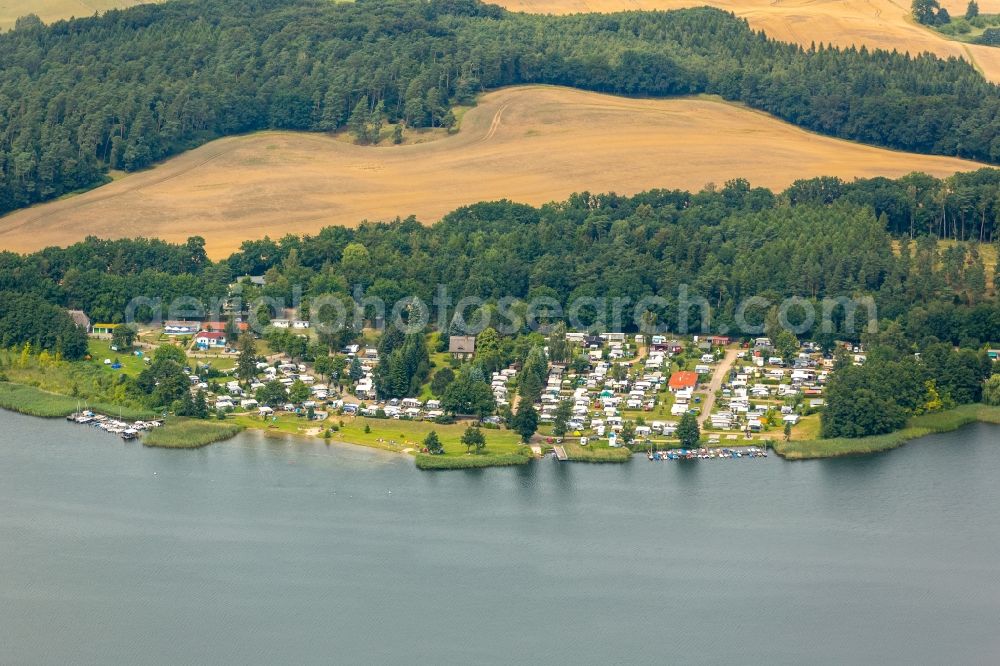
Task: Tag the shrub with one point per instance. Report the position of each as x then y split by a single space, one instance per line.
990 37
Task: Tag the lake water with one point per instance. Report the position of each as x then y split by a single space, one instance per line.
265 550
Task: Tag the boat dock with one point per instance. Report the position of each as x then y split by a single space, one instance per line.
127 431
560 452
730 453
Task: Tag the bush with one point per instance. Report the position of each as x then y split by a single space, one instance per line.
990 37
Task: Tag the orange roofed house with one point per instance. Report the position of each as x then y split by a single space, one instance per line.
684 379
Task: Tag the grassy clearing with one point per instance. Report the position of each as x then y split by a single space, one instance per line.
100 350
398 435
471 461
919 426
37 402
807 428
217 361
439 360
191 434
503 447
597 454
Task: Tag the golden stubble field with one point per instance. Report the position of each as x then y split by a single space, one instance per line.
53 10
532 144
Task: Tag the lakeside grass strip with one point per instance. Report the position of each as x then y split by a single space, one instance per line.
596 454
36 402
916 427
471 461
190 434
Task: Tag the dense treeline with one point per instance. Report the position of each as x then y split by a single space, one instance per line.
722 245
895 384
965 206
27 319
404 364
131 87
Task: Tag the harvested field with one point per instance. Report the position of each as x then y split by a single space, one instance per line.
532 144
54 10
884 24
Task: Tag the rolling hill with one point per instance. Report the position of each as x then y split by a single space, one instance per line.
529 143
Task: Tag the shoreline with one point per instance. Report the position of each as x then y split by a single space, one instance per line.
193 434
33 401
916 428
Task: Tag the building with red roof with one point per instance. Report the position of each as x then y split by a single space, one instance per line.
207 339
684 379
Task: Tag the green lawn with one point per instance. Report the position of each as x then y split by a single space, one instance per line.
101 350
807 428
388 434
438 360
221 363
597 454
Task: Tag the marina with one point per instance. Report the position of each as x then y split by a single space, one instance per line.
125 430
730 453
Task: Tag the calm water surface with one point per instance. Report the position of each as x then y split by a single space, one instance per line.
265 550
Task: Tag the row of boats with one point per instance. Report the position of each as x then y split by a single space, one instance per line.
705 454
125 430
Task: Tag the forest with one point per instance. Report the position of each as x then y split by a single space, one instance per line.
894 384
820 238
126 89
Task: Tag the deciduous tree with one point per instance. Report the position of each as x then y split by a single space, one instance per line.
473 438
688 431
525 421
